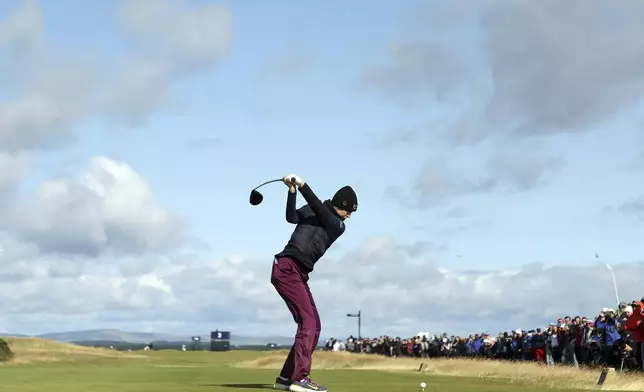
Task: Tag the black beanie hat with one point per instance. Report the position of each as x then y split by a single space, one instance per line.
345 199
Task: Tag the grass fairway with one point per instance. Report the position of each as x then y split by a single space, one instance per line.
42 366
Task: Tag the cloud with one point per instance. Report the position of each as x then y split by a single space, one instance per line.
107 209
95 242
633 208
543 67
540 56
434 184
13 169
417 71
52 90
169 29
522 169
96 245
172 41
22 33
377 278
511 75
44 96
508 168
98 249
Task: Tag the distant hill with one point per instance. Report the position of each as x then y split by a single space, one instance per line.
13 335
115 335
111 335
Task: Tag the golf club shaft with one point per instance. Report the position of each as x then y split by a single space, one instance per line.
268 182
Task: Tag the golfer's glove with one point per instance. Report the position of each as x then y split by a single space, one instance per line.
298 181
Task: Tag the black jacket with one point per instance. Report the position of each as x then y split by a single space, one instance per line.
318 226
539 341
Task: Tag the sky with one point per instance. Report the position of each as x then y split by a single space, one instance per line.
495 148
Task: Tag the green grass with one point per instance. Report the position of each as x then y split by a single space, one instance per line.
166 371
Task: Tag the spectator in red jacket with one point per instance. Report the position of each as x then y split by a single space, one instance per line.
635 324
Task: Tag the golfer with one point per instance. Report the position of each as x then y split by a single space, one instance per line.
319 224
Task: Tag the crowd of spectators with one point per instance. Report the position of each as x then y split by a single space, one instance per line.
613 338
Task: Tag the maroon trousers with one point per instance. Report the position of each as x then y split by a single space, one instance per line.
290 281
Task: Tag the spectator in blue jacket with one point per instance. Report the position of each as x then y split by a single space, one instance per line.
476 345
607 321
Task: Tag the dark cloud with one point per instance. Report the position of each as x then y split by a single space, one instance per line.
563 66
515 73
633 208
553 66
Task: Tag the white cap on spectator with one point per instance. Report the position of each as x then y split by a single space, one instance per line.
518 330
629 308
605 310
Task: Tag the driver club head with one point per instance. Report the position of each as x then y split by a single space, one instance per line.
255 197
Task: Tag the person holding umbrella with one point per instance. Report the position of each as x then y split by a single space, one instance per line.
318 225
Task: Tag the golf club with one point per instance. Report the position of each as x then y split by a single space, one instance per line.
256 198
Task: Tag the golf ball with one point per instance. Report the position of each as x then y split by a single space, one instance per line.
423 385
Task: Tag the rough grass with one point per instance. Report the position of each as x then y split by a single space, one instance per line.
528 373
32 350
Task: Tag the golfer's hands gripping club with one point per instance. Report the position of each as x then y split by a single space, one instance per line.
293 180
289 184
